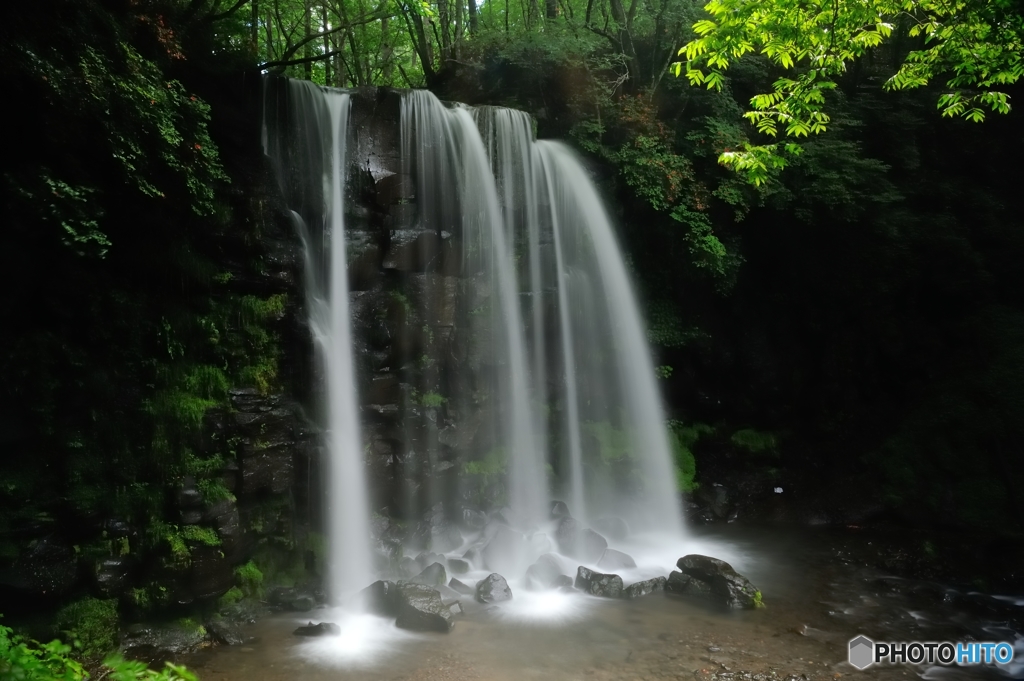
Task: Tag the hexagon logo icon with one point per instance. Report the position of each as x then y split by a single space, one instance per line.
862 652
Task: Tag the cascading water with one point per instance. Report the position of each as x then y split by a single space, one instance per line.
306 142
451 161
554 387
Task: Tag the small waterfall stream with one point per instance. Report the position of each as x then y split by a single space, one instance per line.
561 380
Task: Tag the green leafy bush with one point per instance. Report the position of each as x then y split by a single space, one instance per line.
92 624
27 660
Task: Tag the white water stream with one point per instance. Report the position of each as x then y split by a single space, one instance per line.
569 388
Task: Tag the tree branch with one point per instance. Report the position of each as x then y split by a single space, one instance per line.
292 62
224 15
373 16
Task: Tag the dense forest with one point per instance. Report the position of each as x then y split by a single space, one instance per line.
843 317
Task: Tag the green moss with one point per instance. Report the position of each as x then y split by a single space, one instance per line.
682 438
140 597
432 400
200 535
92 624
232 596
192 626
755 441
250 579
177 539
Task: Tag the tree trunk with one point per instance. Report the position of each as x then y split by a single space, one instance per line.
471 8
254 37
387 52
625 39
327 45
307 51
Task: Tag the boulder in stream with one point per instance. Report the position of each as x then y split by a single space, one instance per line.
644 588
225 632
432 575
380 598
420 609
717 579
321 629
458 566
507 551
493 589
542 574
612 560
579 542
461 587
598 584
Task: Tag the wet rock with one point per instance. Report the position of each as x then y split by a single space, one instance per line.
225 632
225 519
420 609
426 558
48 567
112 575
473 519
433 575
542 574
211 574
726 585
598 584
684 585
321 629
436 533
417 254
266 470
506 516
448 594
445 538
458 566
507 551
192 516
493 589
456 608
644 588
303 603
408 568
189 495
579 542
461 587
162 642
563 583
383 389
380 598
615 529
615 560
292 599
472 556
559 510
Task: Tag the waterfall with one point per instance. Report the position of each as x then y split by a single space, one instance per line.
306 142
545 378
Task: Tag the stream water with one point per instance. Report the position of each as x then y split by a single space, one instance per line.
817 585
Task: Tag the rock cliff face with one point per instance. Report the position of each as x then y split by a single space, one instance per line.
416 346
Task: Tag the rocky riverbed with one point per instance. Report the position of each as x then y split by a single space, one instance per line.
820 589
